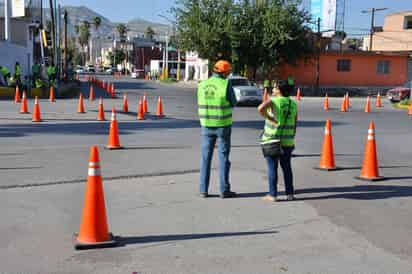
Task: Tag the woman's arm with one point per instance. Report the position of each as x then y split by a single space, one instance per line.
263 110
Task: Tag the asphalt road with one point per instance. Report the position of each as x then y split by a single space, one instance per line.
338 224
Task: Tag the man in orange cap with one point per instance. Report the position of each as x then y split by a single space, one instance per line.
216 99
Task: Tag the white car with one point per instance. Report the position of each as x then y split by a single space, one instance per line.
246 93
133 75
79 69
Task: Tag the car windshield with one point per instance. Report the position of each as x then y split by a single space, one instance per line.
240 82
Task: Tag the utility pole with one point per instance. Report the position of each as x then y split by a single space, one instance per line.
53 32
373 10
7 26
65 44
318 38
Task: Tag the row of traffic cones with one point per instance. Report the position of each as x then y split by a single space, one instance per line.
370 169
52 97
346 103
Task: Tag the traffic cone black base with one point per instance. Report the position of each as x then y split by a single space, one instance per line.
370 179
82 246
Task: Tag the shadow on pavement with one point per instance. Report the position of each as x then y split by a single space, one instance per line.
129 240
20 168
125 127
259 124
364 192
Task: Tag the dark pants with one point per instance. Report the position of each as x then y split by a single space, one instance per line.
285 164
209 137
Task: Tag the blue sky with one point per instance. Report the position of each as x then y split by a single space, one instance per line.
124 10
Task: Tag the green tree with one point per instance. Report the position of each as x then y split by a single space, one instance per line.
250 33
149 33
204 26
116 57
97 21
84 36
122 30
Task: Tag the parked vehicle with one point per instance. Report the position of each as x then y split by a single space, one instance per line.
245 91
110 70
90 69
399 93
133 75
79 69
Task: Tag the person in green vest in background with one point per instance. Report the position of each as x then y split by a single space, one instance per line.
280 113
35 73
51 74
6 75
216 99
17 74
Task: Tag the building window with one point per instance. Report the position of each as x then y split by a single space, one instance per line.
408 22
344 65
383 67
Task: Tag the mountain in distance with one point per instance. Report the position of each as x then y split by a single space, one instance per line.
136 27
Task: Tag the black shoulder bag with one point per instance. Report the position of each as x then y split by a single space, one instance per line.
273 148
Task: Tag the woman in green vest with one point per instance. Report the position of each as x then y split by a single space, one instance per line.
280 113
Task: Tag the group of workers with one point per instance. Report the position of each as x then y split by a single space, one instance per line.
36 76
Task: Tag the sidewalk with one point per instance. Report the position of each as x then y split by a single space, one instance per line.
166 228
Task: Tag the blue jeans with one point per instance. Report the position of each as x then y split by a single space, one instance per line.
209 136
285 164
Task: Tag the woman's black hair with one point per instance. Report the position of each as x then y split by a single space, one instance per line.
284 87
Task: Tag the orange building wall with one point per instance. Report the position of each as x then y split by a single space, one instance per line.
363 71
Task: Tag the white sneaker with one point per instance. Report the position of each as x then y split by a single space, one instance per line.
290 197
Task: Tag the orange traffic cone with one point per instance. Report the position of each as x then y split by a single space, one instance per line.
100 115
80 107
298 95
125 104
347 104
410 109
91 93
51 95
36 112
140 110
17 95
114 141
326 103
23 107
378 101
145 106
370 169
159 110
327 158
94 230
368 105
112 92
343 106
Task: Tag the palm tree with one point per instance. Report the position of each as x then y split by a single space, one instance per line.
149 33
97 21
84 36
122 30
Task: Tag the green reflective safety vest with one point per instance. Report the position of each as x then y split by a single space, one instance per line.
214 108
17 70
36 69
51 70
4 71
283 130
